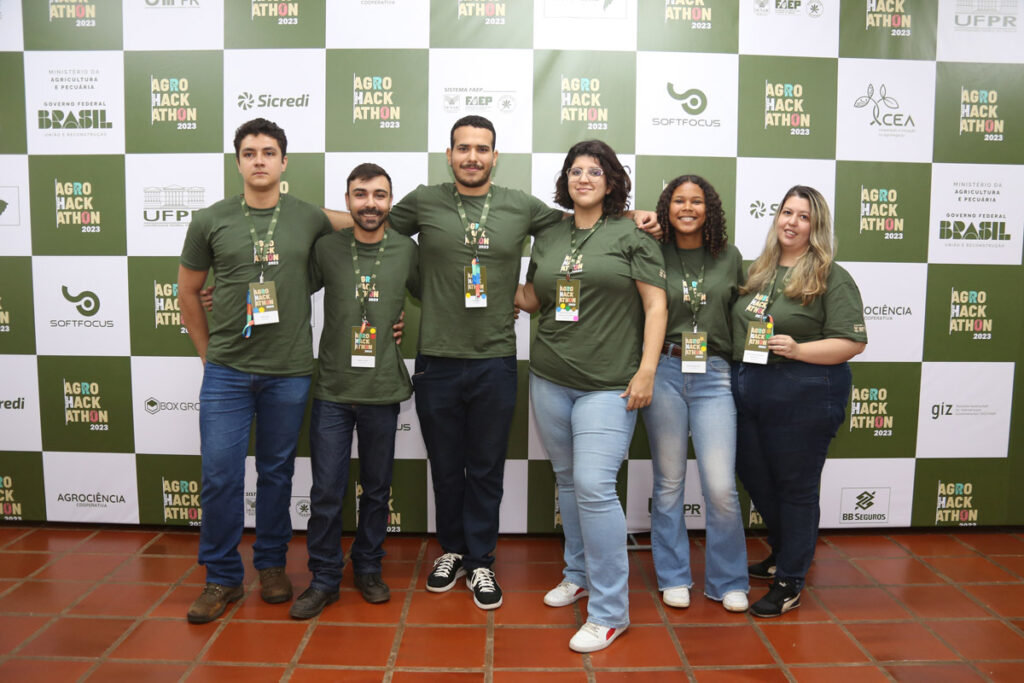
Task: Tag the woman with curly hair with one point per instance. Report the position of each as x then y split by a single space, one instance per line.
599 285
693 394
797 322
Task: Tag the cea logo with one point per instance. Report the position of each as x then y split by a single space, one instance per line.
941 409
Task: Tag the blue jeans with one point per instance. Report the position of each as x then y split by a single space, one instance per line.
465 408
228 401
330 439
587 435
701 404
787 414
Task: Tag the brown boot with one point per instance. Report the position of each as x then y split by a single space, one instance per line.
212 602
275 586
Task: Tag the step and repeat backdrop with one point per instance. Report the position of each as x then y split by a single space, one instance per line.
116 122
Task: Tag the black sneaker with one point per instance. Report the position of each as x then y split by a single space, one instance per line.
447 570
374 590
486 591
782 597
765 569
312 602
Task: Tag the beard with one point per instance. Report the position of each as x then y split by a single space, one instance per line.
369 220
467 182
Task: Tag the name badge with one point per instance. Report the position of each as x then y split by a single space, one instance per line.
567 300
364 346
695 352
755 349
476 286
264 303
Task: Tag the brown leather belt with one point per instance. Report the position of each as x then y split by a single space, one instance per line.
674 350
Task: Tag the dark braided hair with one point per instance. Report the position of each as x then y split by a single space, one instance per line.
715 235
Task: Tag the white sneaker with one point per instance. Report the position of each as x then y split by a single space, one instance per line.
735 601
564 594
591 637
676 597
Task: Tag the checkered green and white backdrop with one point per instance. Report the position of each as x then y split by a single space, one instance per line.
116 122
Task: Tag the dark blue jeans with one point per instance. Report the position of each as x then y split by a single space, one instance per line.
228 401
330 439
465 410
787 414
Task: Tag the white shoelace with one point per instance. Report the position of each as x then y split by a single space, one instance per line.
445 563
483 580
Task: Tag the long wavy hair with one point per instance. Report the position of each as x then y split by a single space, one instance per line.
809 275
715 235
617 179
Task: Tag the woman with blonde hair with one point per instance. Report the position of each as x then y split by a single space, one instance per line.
798 320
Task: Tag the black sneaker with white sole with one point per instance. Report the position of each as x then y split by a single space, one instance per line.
447 570
765 569
486 591
782 597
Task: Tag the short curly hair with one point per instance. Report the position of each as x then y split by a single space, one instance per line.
716 237
615 202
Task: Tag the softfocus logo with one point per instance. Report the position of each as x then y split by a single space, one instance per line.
171 205
693 102
88 304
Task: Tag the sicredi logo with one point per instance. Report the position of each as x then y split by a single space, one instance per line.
246 101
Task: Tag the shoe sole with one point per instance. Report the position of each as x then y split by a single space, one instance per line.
375 600
585 650
482 605
576 598
276 599
785 608
459 573
228 599
309 615
766 576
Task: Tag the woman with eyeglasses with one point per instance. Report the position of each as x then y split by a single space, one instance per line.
599 286
693 395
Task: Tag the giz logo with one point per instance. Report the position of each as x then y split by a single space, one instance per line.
941 409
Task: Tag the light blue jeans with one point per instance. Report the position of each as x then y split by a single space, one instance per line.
587 435
701 404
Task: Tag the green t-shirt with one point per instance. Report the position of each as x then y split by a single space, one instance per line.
837 314
388 381
601 351
218 238
448 328
722 278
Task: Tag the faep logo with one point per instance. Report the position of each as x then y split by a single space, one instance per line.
88 302
246 101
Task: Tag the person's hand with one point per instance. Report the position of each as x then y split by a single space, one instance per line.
648 222
399 328
206 297
640 390
784 345
515 311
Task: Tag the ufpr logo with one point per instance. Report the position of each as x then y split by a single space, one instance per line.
88 302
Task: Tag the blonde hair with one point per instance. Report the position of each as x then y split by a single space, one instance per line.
809 275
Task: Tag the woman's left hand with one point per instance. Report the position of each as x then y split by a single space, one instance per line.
784 345
640 390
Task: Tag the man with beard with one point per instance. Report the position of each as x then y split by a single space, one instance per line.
362 381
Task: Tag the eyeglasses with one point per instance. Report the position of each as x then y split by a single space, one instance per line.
577 173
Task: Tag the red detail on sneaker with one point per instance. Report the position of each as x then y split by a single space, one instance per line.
610 634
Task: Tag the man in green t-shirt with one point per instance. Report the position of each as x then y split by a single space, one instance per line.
257 353
361 383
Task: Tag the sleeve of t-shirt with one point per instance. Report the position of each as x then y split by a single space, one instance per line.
646 262
541 215
531 270
196 253
412 281
316 276
404 216
844 311
741 275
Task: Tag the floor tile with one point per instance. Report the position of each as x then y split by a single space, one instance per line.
456 647
254 641
900 642
436 677
705 611
765 675
859 603
28 670
934 673
11 533
836 573
529 608
151 672
530 549
351 608
21 565
723 646
520 576
812 643
396 574
1006 601
866 546
349 645
1012 563
647 676
505 676
400 548
643 607
50 540
120 599
928 544
80 567
535 647
830 674
16 630
43 597
252 606
810 610
186 544
175 640
156 569
897 570
969 570
980 639
454 607
84 637
213 673
328 675
994 543
639 646
177 603
116 542
1003 672
935 602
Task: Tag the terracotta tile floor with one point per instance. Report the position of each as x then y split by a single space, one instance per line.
108 604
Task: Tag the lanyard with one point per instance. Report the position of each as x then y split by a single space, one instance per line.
363 289
696 285
474 231
574 250
260 253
